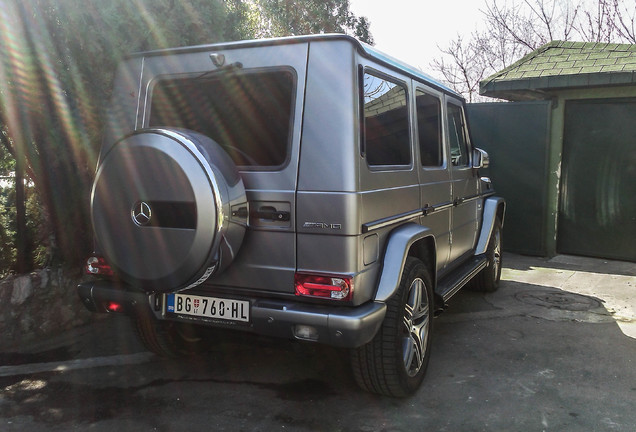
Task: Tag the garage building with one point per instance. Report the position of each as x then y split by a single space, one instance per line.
564 149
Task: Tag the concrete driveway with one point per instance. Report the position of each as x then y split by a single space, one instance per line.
553 350
568 288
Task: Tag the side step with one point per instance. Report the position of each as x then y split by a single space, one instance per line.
454 281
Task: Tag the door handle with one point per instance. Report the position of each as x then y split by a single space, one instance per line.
272 215
266 213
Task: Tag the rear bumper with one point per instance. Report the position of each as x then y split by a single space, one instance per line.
346 327
96 295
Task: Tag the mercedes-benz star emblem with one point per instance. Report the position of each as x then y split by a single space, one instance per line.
141 213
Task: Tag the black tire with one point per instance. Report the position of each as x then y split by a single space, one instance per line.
394 362
488 279
167 338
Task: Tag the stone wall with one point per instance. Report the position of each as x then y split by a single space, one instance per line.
37 305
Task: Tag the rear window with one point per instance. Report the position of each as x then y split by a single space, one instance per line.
248 113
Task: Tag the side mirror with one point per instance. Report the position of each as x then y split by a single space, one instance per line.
480 159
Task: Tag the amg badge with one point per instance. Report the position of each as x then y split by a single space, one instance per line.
322 225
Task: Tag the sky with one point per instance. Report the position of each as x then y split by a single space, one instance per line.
412 30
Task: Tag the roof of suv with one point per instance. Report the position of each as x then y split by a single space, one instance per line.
365 49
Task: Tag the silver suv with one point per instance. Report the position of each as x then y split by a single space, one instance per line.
309 188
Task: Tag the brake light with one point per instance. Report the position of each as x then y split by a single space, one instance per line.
328 287
96 265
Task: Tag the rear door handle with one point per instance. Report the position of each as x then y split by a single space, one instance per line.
272 215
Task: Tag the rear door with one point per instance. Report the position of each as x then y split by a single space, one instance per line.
465 183
252 106
435 180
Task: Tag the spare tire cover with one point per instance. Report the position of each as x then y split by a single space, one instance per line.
161 206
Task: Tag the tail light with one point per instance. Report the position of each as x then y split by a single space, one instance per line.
327 287
98 266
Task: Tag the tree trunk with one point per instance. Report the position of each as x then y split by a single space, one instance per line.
21 243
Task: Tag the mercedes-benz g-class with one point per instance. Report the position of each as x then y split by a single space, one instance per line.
309 188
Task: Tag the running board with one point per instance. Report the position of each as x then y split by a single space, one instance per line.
449 285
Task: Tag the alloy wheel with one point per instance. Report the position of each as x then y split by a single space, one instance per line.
416 327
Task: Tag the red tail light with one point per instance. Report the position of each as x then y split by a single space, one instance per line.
98 266
328 287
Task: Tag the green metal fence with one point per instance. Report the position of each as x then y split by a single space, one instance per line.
516 135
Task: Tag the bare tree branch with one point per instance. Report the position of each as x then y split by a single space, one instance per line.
626 19
516 27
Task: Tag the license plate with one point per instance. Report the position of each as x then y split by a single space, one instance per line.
208 307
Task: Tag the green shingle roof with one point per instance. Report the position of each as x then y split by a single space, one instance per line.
562 65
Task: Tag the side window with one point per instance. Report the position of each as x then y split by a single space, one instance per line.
429 122
457 136
386 122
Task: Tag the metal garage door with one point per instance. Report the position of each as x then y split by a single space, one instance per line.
597 215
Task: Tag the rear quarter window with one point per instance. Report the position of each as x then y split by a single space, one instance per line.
248 113
385 122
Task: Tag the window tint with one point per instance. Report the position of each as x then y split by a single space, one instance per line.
457 136
248 114
429 128
386 123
